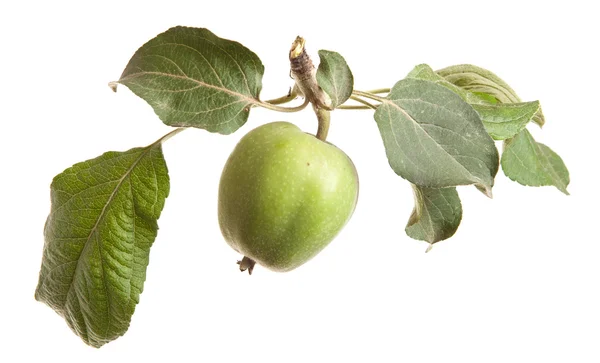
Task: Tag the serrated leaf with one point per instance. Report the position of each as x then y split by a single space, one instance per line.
334 77
533 164
434 139
505 120
102 223
436 215
483 82
193 78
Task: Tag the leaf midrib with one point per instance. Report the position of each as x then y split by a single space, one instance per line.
250 100
388 101
101 217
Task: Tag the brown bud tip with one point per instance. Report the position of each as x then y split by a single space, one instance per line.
297 47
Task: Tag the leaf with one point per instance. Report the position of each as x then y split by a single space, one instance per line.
98 235
436 215
503 121
477 79
534 164
425 72
334 77
193 78
483 82
489 99
434 139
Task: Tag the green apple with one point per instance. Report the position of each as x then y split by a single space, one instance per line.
284 195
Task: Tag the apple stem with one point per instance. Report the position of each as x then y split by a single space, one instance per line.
247 264
304 73
323 116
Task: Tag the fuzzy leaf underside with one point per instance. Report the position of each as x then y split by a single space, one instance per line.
434 139
436 215
334 77
102 223
533 164
192 78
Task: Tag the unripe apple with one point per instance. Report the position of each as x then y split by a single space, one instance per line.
284 195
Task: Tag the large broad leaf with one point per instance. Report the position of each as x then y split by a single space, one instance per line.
481 81
434 139
505 120
334 77
436 215
534 164
501 120
98 235
193 78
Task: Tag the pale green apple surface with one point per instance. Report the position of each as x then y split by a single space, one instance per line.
284 195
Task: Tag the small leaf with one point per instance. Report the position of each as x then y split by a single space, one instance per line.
334 77
485 84
434 139
534 164
502 120
424 72
477 79
505 120
98 235
436 215
193 78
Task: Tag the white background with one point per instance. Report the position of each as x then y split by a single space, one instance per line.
517 283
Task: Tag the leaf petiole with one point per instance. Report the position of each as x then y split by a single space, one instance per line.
353 107
368 95
274 107
379 91
169 135
292 95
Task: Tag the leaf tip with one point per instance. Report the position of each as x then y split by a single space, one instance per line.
487 191
113 85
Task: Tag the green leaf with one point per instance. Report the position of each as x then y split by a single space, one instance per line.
334 77
425 72
102 223
477 79
489 99
505 120
434 139
193 78
534 164
501 120
436 215
485 84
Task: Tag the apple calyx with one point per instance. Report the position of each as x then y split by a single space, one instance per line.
247 264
